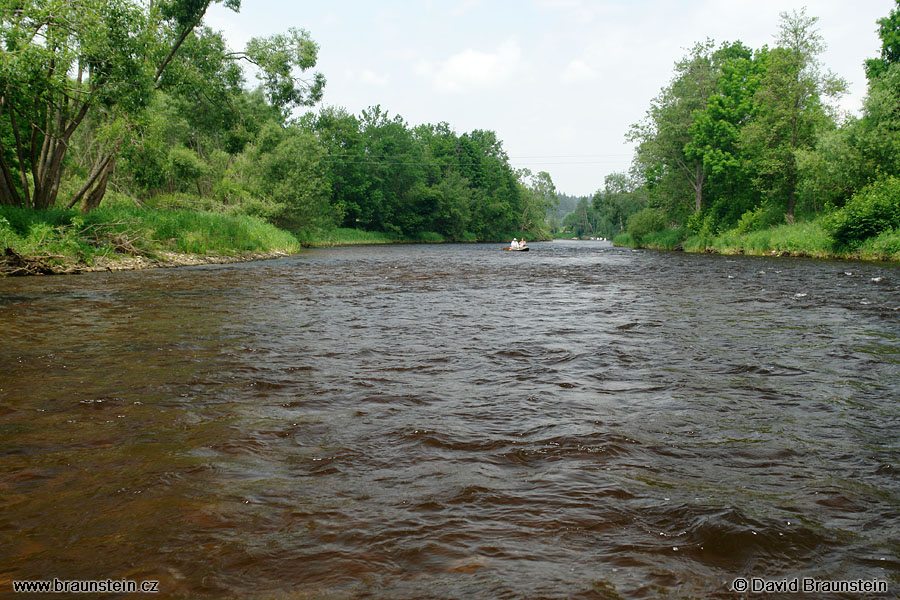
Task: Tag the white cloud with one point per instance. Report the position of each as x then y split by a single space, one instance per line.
582 12
577 71
372 78
471 69
464 7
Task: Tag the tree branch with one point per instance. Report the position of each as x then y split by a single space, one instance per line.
178 43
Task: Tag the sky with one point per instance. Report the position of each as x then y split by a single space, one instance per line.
560 81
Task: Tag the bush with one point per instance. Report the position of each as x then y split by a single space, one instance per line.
668 239
884 246
623 239
764 215
701 224
645 222
870 211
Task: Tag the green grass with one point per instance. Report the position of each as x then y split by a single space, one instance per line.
66 235
623 239
350 237
808 238
346 237
884 246
800 239
668 239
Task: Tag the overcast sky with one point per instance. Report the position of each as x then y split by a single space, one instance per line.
560 81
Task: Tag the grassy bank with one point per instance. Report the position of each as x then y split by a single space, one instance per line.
352 237
167 230
809 238
131 237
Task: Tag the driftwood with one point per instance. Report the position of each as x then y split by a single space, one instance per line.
123 242
13 264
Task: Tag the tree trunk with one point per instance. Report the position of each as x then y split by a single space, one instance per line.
792 187
699 180
95 196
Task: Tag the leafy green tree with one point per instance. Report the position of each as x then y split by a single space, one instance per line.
291 175
393 171
788 109
346 163
620 198
453 212
889 32
99 61
496 202
645 222
539 196
582 221
186 167
664 135
716 130
60 61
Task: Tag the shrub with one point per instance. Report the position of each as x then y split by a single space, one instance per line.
872 210
623 239
701 224
667 239
764 215
645 222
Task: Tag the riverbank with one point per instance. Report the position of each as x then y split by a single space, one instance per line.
127 238
806 239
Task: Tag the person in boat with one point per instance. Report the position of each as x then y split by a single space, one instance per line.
514 244
522 243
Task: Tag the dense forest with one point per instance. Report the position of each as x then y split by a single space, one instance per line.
127 101
745 145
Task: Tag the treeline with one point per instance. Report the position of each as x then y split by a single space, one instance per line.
745 139
606 213
102 100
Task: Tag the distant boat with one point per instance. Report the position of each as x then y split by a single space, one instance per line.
525 249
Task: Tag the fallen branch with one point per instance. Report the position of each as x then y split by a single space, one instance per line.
13 264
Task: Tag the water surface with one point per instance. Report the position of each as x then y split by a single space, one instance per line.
454 421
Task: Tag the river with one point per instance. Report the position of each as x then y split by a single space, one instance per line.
453 421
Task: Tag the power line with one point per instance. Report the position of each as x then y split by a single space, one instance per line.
437 162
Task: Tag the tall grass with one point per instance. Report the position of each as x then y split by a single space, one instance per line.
884 246
119 228
667 239
345 237
349 237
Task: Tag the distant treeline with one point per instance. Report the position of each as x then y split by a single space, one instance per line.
143 101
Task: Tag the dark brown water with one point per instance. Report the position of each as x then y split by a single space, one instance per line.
454 422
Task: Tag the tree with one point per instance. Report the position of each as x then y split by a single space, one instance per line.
665 133
340 135
716 130
538 197
62 60
291 175
788 109
620 198
889 32
66 63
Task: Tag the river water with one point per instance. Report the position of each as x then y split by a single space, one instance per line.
452 421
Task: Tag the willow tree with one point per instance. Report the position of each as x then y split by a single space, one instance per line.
65 62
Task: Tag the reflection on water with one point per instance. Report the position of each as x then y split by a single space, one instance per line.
453 422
